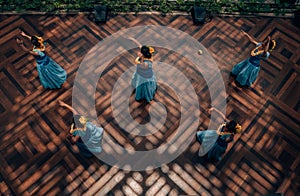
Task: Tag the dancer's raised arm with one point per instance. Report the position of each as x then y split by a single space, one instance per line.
136 42
63 104
219 112
23 47
25 35
266 49
251 39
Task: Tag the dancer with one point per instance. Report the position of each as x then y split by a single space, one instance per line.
84 134
214 142
246 72
51 74
144 80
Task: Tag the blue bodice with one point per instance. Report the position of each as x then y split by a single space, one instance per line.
255 60
146 73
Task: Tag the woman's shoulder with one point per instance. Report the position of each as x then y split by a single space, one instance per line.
148 62
40 53
92 125
145 64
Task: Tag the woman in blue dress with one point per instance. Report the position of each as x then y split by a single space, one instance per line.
51 74
86 135
246 72
214 142
144 80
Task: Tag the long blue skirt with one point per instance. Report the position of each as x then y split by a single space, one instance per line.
209 145
217 152
84 149
92 144
145 88
245 72
50 73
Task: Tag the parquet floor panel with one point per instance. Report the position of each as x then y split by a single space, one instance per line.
36 158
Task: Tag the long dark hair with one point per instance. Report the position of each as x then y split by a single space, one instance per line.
35 41
145 50
231 126
272 44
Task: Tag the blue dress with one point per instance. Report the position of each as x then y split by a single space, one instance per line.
212 144
50 73
144 82
246 72
90 140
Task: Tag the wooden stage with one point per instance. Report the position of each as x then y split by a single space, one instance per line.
36 158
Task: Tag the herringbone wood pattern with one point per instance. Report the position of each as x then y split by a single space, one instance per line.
36 159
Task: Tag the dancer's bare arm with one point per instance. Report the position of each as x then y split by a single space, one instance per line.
218 111
136 42
63 104
267 45
25 35
23 47
251 39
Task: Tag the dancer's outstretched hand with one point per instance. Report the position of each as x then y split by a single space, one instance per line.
61 103
23 33
244 32
19 41
135 41
209 110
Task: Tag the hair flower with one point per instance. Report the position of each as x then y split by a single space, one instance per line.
238 128
151 49
274 45
83 120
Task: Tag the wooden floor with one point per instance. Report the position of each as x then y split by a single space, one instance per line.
36 158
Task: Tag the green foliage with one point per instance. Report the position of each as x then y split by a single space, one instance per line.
214 7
